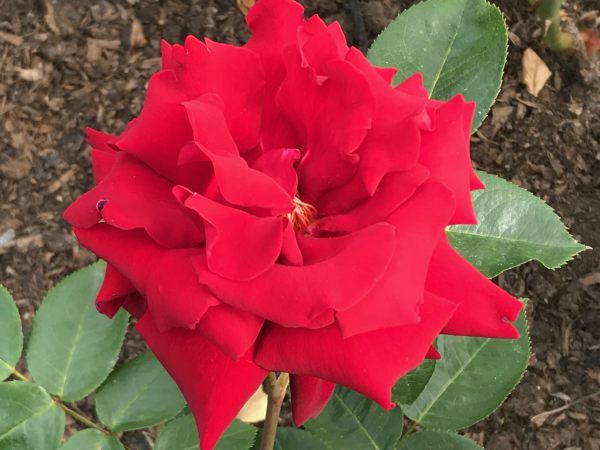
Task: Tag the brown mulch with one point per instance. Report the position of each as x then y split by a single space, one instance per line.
67 64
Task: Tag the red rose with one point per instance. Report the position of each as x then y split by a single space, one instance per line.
281 207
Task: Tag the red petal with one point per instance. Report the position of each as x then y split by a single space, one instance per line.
115 288
294 296
319 44
165 277
103 156
214 386
341 94
413 85
395 189
387 73
290 251
279 165
274 26
162 127
483 308
233 73
339 200
393 142
369 363
208 124
445 152
239 246
396 299
166 50
102 163
309 397
242 329
238 183
99 139
432 353
133 196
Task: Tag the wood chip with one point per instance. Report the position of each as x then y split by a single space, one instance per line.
535 73
64 178
33 74
50 18
11 38
590 279
137 37
16 168
95 47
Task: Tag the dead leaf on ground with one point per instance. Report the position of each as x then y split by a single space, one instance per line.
591 40
245 5
255 409
535 72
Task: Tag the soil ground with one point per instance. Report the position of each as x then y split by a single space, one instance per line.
67 64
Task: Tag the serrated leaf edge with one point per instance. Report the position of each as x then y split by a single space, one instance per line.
505 35
523 372
2 360
121 337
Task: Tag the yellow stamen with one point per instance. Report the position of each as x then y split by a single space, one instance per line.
302 215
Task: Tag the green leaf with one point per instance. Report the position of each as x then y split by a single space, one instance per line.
459 46
473 378
437 440
289 438
11 334
408 388
138 395
353 422
514 227
29 418
92 440
72 347
181 434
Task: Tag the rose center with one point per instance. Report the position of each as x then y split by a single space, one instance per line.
302 215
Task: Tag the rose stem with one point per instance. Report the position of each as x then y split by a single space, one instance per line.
276 387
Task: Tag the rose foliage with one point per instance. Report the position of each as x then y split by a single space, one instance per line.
282 207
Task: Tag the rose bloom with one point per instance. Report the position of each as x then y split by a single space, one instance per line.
281 207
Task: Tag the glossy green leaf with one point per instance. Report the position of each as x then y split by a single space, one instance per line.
353 422
437 440
408 388
459 46
181 434
29 418
473 378
138 395
11 334
514 227
92 440
72 347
